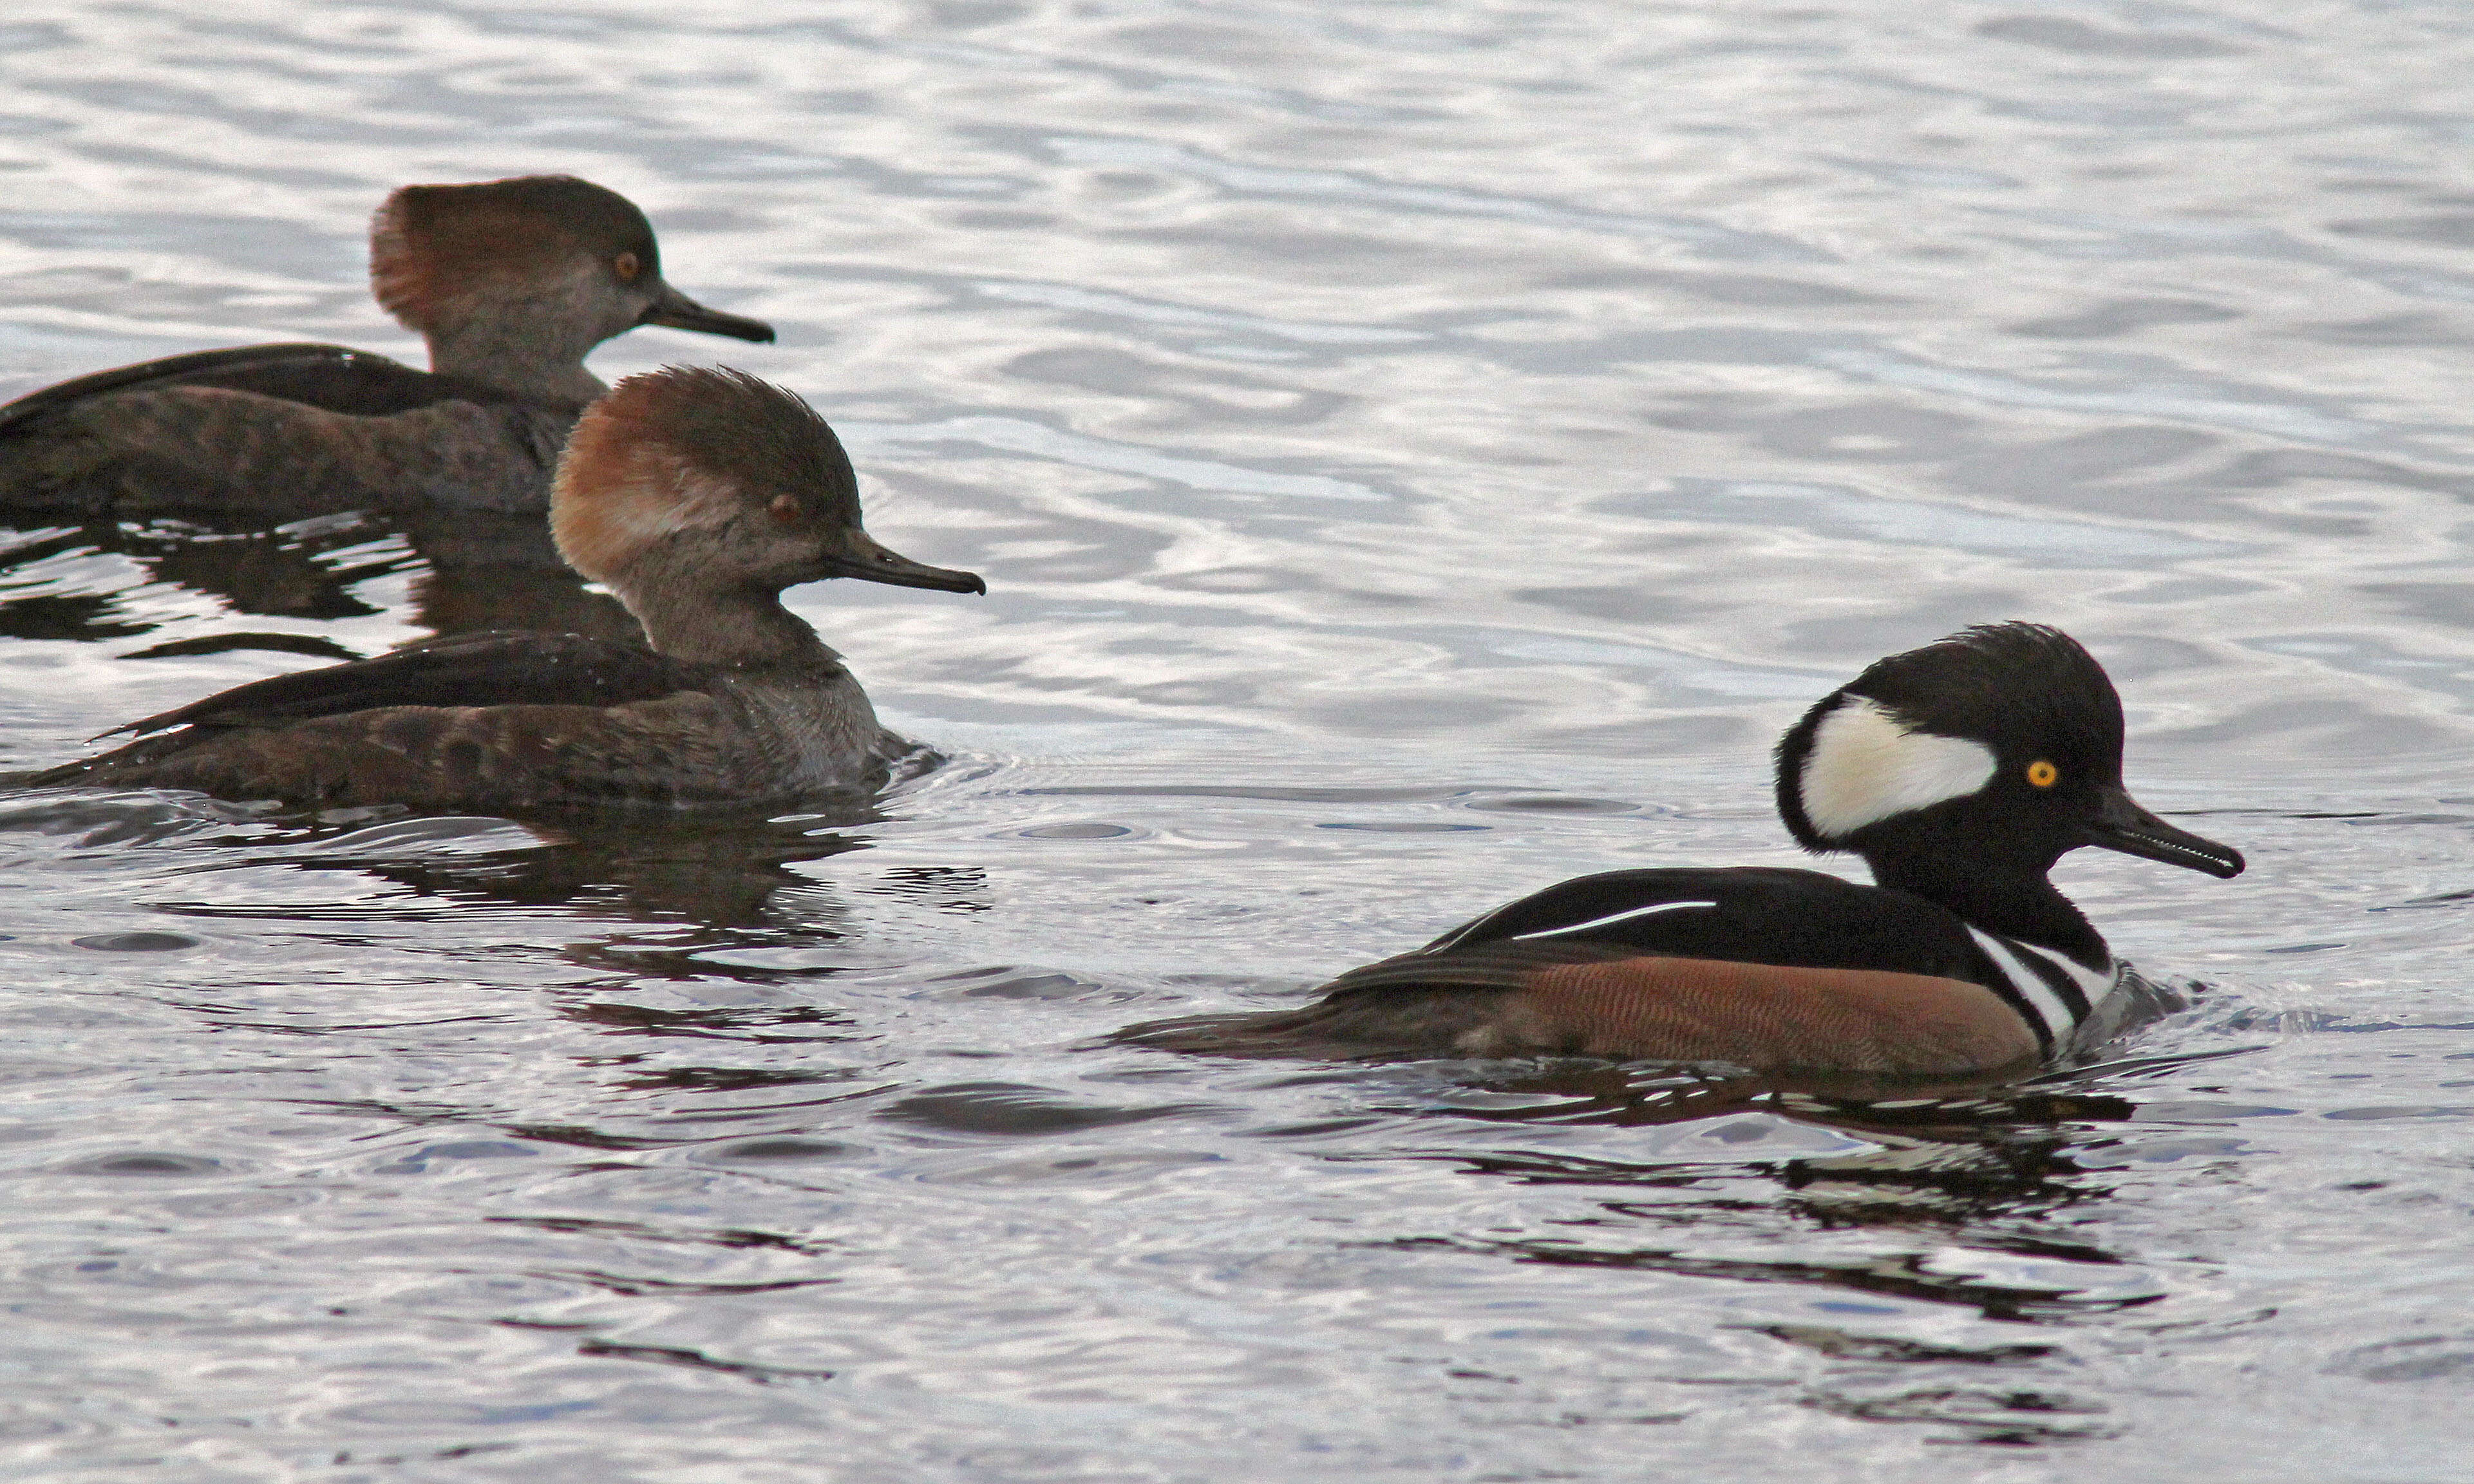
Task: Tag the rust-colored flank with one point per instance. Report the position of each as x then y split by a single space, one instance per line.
1761 1016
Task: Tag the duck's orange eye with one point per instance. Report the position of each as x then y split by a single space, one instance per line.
627 267
2041 775
784 509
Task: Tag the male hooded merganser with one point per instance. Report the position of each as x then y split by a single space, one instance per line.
511 283
696 496
1960 772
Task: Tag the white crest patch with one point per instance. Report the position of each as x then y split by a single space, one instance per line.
1865 766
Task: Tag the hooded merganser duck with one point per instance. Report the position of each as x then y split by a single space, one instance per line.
696 496
511 283
1959 772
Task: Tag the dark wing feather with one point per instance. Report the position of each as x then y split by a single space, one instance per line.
470 670
1415 1003
332 378
1488 967
1740 914
1426 1002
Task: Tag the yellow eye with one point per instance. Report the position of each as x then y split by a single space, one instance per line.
2041 775
625 266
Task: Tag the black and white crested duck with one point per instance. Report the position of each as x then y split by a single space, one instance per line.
511 283
696 496
1960 772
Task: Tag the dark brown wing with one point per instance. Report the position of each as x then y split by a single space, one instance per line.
332 378
470 670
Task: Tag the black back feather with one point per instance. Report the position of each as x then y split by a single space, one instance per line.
332 378
468 670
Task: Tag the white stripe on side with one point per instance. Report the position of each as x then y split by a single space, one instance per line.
2095 984
1456 935
2059 1022
1600 922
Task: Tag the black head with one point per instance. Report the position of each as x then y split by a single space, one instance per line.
1998 748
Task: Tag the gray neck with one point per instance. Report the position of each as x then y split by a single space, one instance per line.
743 627
530 338
517 355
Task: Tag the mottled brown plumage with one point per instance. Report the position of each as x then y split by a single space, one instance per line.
510 282
696 496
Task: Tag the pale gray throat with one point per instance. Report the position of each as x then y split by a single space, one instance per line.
688 617
530 342
503 357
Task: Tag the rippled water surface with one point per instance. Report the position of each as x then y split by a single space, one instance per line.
1418 452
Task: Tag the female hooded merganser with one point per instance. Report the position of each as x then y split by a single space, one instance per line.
511 283
1960 772
696 496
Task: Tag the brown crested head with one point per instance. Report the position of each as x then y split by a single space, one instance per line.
695 479
435 248
691 448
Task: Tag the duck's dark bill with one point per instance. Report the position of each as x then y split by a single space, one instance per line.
2124 825
871 563
680 312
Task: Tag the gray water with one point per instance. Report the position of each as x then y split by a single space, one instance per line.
1418 452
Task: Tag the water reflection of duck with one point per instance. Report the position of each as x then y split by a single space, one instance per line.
696 496
1960 772
673 882
511 283
305 569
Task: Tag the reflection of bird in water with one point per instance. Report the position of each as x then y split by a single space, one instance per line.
731 877
509 579
498 571
681 892
1960 772
1940 1155
697 496
511 283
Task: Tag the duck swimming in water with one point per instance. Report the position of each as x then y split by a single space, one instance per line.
1959 772
511 283
696 496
